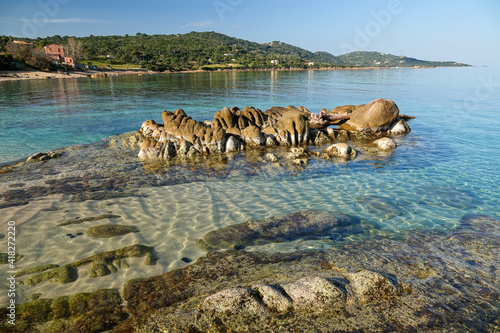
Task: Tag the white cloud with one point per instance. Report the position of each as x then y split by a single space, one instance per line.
201 24
55 20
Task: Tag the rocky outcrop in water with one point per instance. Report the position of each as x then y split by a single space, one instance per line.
234 130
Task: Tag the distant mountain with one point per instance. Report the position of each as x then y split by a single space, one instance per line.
211 50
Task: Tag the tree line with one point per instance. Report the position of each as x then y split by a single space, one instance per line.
195 50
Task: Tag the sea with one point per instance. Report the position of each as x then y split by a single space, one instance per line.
446 167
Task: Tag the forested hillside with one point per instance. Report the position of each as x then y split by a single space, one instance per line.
209 50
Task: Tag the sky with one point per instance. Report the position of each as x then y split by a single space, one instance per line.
459 30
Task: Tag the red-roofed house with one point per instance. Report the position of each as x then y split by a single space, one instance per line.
55 53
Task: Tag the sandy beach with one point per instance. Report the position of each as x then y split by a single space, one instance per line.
32 74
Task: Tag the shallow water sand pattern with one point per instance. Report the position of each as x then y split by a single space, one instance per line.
52 227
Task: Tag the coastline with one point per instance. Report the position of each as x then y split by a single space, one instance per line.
35 74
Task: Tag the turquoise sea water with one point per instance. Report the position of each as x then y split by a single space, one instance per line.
445 168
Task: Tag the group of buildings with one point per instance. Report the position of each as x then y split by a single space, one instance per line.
54 53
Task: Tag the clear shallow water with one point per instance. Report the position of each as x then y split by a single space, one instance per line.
446 167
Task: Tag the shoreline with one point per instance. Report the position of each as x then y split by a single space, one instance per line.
12 75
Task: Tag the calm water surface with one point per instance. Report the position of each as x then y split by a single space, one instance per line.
446 167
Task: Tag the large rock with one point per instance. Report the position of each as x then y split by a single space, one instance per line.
385 144
307 223
314 292
376 116
368 286
293 128
340 149
233 301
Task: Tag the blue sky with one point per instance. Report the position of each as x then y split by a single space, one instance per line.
466 31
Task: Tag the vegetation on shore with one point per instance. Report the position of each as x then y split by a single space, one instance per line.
200 50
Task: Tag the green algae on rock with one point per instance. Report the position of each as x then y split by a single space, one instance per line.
88 219
101 264
371 286
38 269
307 223
84 312
4 258
111 230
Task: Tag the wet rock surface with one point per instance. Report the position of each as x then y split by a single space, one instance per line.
417 282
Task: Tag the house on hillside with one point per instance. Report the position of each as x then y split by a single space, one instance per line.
55 54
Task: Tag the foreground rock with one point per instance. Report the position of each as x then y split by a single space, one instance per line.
421 282
234 130
308 223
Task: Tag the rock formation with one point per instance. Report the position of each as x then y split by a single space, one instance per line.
233 130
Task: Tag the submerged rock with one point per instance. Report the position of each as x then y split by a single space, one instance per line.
111 230
308 223
101 264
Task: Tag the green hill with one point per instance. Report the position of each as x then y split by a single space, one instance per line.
211 50
377 59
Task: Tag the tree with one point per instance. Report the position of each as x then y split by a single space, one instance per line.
39 59
19 52
75 49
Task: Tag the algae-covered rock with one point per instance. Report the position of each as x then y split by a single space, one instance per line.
104 298
307 223
34 312
111 230
83 312
102 264
101 320
234 300
78 304
101 268
87 219
367 286
314 292
4 258
38 269
60 307
64 274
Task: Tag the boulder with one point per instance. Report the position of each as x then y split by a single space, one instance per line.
297 153
225 119
375 116
399 127
385 144
368 286
253 136
314 292
233 301
293 128
340 150
273 298
271 157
